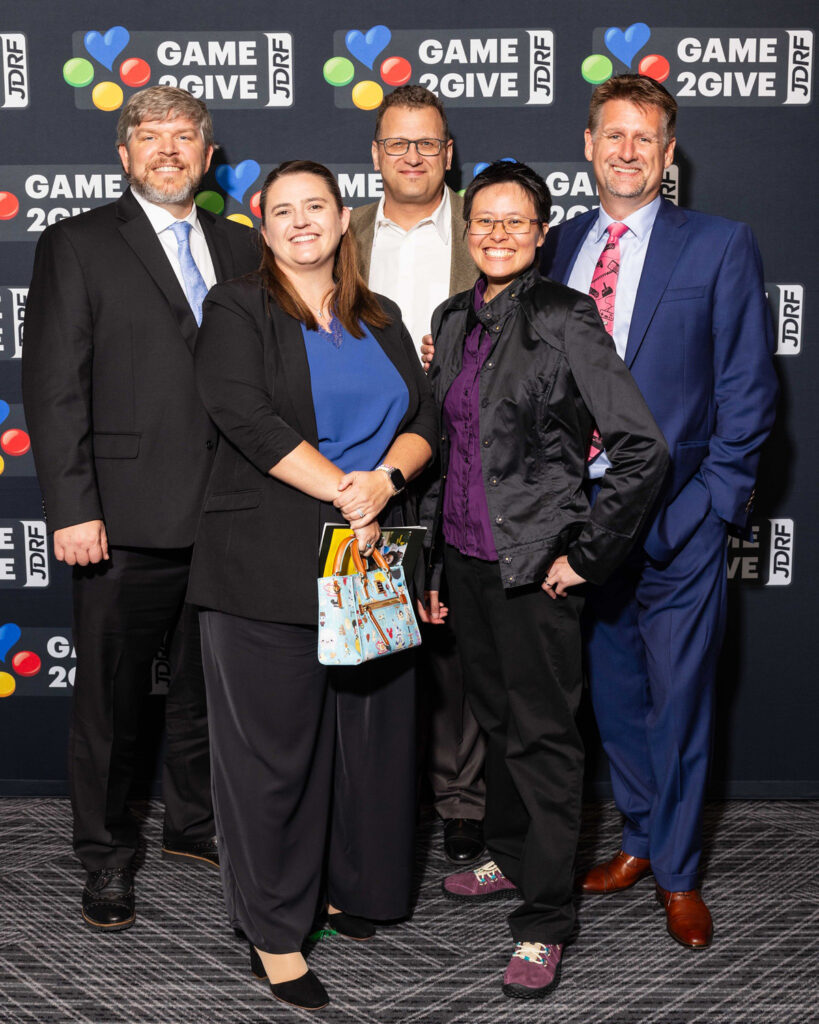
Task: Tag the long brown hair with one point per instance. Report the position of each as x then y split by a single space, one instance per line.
352 300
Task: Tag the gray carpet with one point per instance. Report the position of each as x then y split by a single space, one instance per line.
181 963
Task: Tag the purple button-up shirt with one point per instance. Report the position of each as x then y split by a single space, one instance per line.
466 514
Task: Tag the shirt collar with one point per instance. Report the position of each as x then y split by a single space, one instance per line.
440 218
161 219
639 223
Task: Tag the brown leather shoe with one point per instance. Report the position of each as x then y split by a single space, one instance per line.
687 918
621 872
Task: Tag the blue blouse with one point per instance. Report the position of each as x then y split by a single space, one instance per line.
359 396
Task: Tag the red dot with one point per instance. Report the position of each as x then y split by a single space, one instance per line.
655 66
9 205
135 72
255 208
15 442
26 663
396 70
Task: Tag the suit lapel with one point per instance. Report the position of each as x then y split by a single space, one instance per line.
218 245
293 354
463 272
668 237
364 228
137 231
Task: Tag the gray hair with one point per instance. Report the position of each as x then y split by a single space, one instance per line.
161 103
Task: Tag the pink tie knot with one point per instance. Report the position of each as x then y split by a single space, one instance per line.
616 230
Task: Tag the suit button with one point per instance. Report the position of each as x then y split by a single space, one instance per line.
507 559
209 445
490 365
510 579
486 442
498 520
493 480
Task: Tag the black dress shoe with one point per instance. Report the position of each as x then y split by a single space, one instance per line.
202 850
108 899
306 992
463 839
351 927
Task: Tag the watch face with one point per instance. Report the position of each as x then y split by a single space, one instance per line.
398 481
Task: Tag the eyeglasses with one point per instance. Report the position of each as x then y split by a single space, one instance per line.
423 147
511 225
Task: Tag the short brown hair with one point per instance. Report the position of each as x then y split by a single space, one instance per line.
639 90
415 97
352 300
163 103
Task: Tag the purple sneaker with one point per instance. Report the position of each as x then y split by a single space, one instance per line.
533 971
487 882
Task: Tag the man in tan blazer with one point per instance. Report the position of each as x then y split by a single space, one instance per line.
412 249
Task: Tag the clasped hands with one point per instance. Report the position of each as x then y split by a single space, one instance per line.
362 495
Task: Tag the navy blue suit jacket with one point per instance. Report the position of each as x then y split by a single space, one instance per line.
699 348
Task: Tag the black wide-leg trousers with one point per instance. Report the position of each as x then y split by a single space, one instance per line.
124 608
521 657
313 779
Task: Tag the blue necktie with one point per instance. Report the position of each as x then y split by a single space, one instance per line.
195 287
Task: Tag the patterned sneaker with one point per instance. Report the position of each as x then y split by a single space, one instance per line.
533 971
487 882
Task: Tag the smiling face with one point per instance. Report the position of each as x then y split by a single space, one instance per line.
412 180
302 223
629 154
501 256
164 161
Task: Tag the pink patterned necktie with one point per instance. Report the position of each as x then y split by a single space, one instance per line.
604 291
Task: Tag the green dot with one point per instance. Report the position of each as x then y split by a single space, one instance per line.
211 201
78 72
338 71
596 69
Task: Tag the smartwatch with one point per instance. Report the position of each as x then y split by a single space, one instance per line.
396 477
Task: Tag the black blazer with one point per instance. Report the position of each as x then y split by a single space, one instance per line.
256 551
118 430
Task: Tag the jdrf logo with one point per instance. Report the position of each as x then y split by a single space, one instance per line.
787 304
14 70
12 315
23 553
780 569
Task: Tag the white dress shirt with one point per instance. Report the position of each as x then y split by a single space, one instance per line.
161 221
413 267
633 246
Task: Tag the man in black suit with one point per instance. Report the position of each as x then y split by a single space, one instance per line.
123 448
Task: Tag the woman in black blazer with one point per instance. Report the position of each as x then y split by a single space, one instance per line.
324 412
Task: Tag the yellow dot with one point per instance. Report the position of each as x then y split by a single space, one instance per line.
241 218
367 95
8 684
107 96
2 465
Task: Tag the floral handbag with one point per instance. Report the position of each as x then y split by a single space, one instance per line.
366 614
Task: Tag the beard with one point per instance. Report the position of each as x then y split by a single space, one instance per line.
181 193
630 188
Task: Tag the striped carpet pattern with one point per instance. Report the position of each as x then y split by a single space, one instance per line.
181 964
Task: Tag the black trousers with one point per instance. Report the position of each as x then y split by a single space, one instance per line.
123 610
313 779
521 656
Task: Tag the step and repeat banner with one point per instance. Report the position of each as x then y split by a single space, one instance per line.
287 81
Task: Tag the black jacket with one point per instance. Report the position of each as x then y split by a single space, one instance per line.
256 551
117 427
551 375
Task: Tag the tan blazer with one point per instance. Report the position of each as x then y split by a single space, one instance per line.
463 272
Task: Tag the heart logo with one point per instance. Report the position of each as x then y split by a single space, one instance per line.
624 45
9 635
237 180
5 409
106 48
366 47
482 166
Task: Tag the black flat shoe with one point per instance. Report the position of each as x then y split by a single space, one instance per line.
202 851
358 928
463 840
108 899
306 992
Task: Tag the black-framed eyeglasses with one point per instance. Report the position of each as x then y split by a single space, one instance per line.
511 225
423 147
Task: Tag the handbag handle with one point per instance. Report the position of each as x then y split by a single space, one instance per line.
358 561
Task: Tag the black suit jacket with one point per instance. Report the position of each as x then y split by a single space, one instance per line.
256 551
118 430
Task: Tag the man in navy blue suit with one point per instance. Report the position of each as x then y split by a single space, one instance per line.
691 323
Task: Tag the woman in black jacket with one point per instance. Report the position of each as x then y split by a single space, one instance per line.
324 411
523 369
